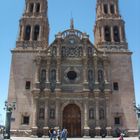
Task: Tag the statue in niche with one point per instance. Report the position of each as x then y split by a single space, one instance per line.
100 76
101 80
42 79
91 80
53 80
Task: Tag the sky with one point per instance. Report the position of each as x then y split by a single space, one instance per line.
59 13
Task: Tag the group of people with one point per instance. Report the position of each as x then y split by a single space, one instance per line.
58 134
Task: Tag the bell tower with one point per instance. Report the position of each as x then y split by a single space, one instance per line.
109 28
34 25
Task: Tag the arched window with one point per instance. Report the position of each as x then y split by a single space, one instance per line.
105 8
36 32
31 7
116 34
38 7
112 11
101 114
27 32
107 34
100 76
43 75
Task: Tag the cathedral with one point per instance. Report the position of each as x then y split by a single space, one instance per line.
72 83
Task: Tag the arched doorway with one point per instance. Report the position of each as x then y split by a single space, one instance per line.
72 120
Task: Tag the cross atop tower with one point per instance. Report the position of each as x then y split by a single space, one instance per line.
71 23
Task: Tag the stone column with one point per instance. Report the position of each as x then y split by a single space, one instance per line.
34 10
47 71
27 7
58 61
120 34
103 34
86 127
46 128
97 128
57 71
96 87
105 69
115 9
108 114
85 71
123 33
40 33
57 114
108 5
112 34
85 81
37 73
34 118
22 33
32 33
102 7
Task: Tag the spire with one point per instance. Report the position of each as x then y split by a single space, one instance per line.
72 23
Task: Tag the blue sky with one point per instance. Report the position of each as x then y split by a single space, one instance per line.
59 13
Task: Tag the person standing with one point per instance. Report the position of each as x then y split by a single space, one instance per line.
121 136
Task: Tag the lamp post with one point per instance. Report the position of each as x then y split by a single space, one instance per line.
137 108
9 108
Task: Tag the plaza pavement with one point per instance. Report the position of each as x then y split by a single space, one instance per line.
25 138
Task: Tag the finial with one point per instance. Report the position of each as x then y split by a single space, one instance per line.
72 23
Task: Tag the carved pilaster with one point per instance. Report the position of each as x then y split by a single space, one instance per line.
37 73
32 33
86 127
57 113
121 34
47 71
105 69
34 117
103 34
108 114
97 128
22 33
40 33
112 34
46 128
96 87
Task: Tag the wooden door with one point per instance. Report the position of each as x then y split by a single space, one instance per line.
72 120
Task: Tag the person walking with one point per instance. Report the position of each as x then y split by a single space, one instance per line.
51 133
58 134
121 136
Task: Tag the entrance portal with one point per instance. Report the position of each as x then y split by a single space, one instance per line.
72 120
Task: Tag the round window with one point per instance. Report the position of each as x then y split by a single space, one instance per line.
72 75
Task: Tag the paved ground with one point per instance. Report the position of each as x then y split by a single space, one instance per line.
28 138
25 138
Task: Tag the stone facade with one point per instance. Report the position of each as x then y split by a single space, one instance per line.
72 83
